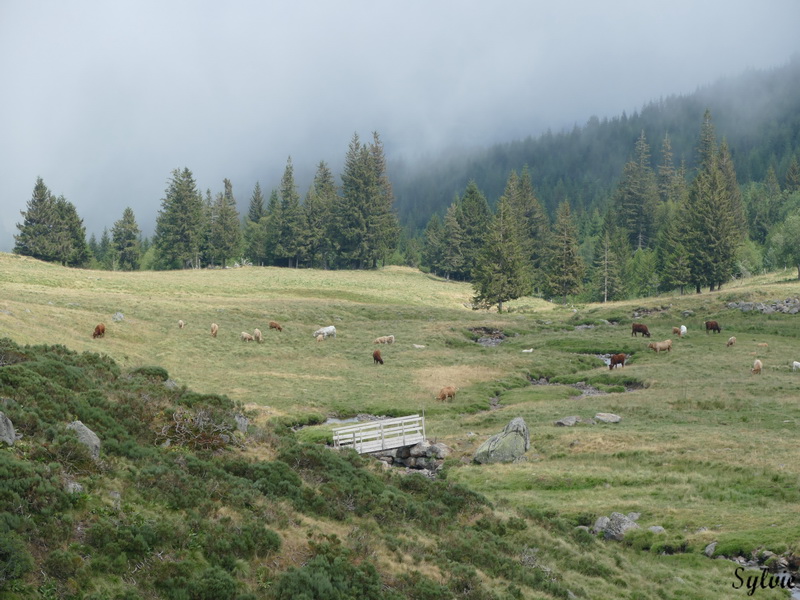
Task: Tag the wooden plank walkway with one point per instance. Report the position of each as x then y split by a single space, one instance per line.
381 435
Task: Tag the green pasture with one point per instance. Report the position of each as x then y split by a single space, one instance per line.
704 448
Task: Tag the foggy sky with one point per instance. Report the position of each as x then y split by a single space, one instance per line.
103 99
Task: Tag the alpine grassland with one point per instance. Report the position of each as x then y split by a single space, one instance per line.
184 504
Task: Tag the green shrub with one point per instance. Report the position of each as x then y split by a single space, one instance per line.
15 560
156 373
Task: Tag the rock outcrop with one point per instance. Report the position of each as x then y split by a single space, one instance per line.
507 446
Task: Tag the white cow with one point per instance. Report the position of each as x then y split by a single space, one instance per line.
683 330
795 366
326 331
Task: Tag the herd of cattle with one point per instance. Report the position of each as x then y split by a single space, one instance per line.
637 328
319 335
449 392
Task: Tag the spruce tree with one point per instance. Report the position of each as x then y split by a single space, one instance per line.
291 243
351 209
125 234
225 235
256 208
272 229
382 225
793 176
502 271
180 224
36 232
473 217
452 260
317 212
566 266
69 235
434 244
636 197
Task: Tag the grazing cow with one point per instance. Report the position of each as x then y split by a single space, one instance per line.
713 326
683 330
659 346
617 359
640 328
757 366
376 357
257 335
274 325
181 324
384 339
99 331
326 331
214 329
763 345
676 331
320 337
447 392
731 341
795 366
246 337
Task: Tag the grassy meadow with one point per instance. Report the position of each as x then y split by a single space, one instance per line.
705 449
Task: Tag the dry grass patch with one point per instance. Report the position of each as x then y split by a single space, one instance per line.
433 379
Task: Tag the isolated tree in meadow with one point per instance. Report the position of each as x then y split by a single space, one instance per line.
502 271
126 234
180 224
566 266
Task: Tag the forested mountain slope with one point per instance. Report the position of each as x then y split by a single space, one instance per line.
757 113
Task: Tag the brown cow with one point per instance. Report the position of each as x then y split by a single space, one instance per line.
713 326
99 331
376 357
640 328
447 392
617 359
274 325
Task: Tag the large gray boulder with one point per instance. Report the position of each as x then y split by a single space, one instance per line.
87 437
7 433
506 446
618 525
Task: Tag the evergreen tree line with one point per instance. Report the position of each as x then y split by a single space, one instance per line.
351 226
759 113
662 229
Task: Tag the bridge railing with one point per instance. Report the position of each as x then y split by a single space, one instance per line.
381 435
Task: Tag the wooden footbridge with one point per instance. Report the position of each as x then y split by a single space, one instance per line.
381 435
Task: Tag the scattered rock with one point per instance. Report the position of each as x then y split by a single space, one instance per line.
568 421
607 418
618 525
600 524
87 437
709 550
117 316
7 433
657 529
242 423
790 306
507 446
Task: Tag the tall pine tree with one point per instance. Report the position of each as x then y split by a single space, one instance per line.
180 224
125 234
